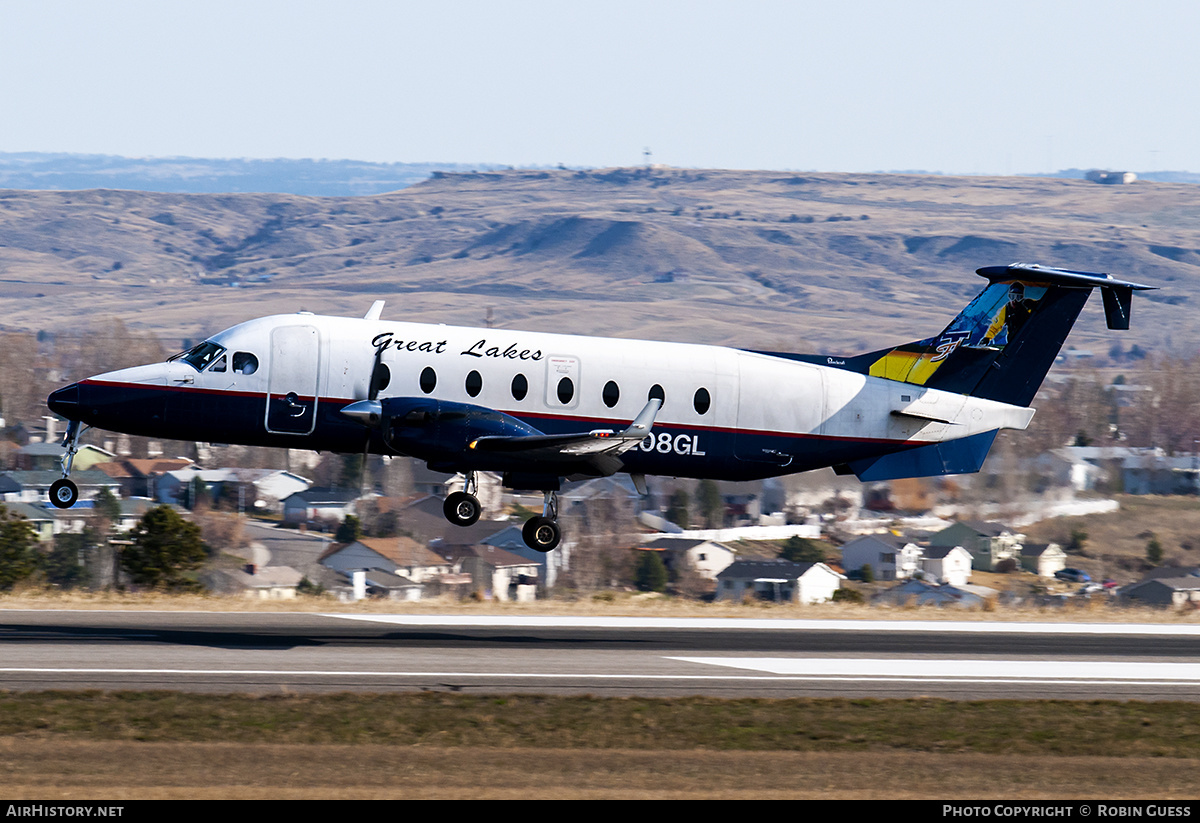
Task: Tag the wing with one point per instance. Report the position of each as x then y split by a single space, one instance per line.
463 435
600 447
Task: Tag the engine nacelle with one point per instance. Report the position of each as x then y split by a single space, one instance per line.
440 431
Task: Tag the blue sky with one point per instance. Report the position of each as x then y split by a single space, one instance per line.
857 85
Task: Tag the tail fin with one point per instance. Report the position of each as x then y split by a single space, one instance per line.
1002 344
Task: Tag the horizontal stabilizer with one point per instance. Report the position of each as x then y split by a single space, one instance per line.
1118 294
950 457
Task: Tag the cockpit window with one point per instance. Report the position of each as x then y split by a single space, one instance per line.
218 364
245 363
198 357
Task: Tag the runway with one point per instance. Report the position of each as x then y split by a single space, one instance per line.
265 653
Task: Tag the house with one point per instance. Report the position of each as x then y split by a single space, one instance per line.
778 580
49 457
318 504
34 486
380 584
268 487
706 557
258 582
138 478
989 543
890 557
41 517
948 565
1043 559
1166 586
396 555
502 574
921 593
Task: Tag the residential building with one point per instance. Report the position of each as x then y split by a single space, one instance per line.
778 580
949 565
1043 559
890 557
989 543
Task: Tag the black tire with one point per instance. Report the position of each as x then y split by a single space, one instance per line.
63 493
462 509
541 534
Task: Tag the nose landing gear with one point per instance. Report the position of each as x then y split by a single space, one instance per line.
63 492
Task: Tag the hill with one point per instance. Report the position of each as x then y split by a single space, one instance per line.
837 263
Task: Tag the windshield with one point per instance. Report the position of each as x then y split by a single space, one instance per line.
199 356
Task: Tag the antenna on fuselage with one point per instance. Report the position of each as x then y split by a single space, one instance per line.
375 311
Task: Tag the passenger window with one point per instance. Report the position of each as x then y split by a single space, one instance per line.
245 363
566 390
656 393
702 400
218 364
611 394
428 380
520 387
474 383
381 377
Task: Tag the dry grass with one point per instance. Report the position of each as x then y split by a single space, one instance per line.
1116 543
606 604
57 770
133 746
619 604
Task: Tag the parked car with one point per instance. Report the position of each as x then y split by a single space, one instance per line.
1073 575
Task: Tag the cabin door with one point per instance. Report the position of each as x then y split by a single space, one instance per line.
293 385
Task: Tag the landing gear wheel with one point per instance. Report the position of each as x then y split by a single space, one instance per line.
541 534
462 509
63 493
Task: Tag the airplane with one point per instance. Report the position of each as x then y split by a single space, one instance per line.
539 408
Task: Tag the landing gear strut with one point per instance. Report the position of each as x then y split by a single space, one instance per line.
541 533
462 508
64 493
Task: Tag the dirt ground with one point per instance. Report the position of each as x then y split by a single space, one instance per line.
66 770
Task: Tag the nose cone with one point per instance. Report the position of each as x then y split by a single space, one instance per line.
65 402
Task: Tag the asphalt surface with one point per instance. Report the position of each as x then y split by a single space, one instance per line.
276 652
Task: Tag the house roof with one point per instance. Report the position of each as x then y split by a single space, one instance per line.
890 540
754 569
988 528
492 555
1179 584
322 496
660 543
265 577
387 580
402 551
134 467
470 535
14 480
941 552
58 450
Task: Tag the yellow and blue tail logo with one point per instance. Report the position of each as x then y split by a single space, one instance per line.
989 322
1003 343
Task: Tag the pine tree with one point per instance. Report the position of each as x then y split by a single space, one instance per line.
165 548
18 549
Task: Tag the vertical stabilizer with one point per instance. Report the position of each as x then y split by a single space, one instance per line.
1001 346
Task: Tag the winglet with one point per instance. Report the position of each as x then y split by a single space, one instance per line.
376 310
641 425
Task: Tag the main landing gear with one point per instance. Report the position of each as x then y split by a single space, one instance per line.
540 533
462 508
63 492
